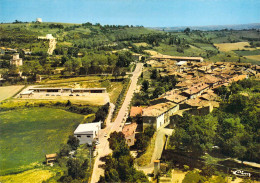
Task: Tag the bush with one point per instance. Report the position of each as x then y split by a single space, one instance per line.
73 142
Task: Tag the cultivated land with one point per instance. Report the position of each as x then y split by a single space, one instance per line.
233 46
253 57
30 176
9 91
28 134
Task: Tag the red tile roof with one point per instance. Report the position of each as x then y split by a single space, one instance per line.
129 130
135 111
196 89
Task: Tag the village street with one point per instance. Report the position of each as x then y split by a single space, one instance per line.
159 145
103 148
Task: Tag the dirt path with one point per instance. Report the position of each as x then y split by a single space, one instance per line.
52 46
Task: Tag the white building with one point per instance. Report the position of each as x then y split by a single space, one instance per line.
87 133
159 114
39 20
16 60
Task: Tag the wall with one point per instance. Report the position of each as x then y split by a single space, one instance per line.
84 139
159 121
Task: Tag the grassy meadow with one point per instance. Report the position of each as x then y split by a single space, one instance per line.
28 134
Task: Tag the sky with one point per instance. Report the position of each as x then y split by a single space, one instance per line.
149 13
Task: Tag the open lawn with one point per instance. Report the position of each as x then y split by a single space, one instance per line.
254 57
28 134
30 176
233 46
9 91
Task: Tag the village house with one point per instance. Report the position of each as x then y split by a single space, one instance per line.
159 114
195 90
87 133
210 80
129 133
175 98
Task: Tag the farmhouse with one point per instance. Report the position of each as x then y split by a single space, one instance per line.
129 133
159 114
87 133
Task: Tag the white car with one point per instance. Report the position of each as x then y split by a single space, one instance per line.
97 142
105 135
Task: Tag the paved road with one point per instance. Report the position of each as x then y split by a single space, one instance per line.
103 148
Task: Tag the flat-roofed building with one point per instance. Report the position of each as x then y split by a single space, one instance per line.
70 90
26 94
87 133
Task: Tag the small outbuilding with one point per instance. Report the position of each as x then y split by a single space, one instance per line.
50 158
26 94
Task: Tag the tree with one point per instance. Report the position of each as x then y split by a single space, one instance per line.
65 150
74 169
145 85
73 142
158 91
187 30
154 74
112 176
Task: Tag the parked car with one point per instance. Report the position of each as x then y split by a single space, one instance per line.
70 95
105 135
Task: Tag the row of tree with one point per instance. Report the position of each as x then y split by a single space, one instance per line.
119 167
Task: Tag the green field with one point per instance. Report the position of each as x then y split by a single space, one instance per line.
28 134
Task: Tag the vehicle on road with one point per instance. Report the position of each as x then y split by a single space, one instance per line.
105 135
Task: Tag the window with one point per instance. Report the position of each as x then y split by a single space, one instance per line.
78 136
88 136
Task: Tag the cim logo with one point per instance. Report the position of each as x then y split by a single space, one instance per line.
241 173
